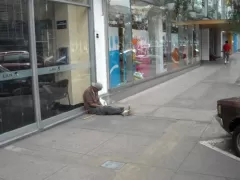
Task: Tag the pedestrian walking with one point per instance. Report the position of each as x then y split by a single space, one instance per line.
226 52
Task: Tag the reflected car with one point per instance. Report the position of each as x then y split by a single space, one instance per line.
228 116
18 60
8 87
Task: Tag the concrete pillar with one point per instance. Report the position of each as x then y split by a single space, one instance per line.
205 45
218 42
100 45
230 40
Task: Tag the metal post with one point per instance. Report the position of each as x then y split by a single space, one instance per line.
105 10
33 59
91 36
169 31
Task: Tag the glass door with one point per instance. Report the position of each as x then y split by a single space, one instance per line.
63 55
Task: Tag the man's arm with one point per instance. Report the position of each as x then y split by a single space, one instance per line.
98 101
89 100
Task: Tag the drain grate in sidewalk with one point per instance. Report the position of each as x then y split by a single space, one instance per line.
222 145
113 165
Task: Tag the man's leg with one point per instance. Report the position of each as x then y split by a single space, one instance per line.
97 111
227 55
106 110
110 110
224 57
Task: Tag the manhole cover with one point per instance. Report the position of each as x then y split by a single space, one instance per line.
222 146
113 165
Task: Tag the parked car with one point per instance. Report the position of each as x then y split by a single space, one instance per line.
228 115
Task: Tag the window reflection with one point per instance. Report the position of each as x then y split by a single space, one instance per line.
120 43
62 45
16 102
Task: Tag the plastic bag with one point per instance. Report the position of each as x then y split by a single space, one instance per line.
103 102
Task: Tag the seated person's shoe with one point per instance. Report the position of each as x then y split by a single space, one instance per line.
130 112
127 112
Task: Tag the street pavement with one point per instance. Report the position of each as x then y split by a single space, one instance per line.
159 142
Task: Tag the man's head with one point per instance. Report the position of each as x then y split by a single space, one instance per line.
97 87
226 42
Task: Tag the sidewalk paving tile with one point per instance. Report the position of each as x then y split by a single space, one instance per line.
187 128
14 166
194 176
214 130
207 161
167 152
83 172
185 114
129 171
48 153
133 125
70 139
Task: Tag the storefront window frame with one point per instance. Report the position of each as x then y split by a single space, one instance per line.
52 121
73 3
39 124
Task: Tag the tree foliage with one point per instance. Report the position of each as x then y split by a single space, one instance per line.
234 15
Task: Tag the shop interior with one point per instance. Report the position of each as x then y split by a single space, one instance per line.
157 43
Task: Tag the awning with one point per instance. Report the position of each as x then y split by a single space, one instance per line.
202 22
223 25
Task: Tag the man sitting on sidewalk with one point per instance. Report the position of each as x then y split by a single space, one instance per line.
93 105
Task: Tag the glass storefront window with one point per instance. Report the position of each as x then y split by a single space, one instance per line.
120 43
63 56
212 9
149 36
16 99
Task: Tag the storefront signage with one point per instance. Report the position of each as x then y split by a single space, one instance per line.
15 75
12 75
62 68
9 75
79 1
62 24
55 69
157 3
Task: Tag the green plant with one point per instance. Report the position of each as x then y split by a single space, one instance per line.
234 16
181 6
